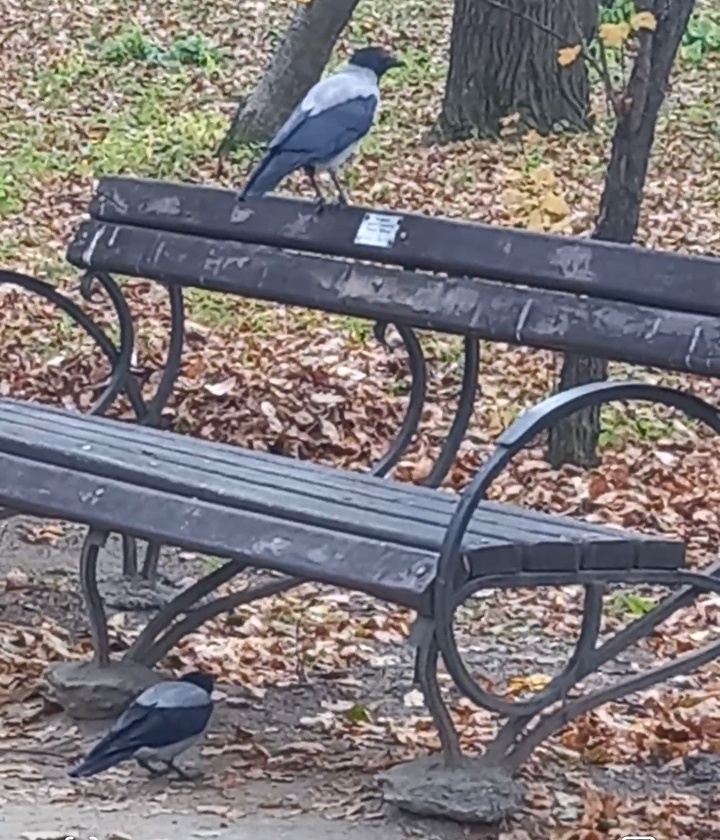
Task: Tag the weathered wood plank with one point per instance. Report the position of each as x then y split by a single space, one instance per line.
226 456
289 497
583 266
464 306
300 492
382 569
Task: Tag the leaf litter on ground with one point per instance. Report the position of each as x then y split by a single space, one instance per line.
315 386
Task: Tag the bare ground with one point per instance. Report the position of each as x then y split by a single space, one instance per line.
278 777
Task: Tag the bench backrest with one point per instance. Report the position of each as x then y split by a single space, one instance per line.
562 293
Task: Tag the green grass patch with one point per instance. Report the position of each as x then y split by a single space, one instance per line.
132 45
631 604
640 424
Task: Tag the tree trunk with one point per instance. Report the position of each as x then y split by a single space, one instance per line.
503 61
575 440
296 66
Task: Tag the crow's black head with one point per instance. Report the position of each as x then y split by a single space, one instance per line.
204 681
375 59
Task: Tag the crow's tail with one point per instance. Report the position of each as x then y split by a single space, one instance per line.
103 756
117 746
271 170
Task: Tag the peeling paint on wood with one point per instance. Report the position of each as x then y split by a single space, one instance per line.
574 261
384 540
240 214
166 206
541 261
624 331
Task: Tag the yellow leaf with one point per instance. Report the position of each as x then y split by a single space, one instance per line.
533 682
512 198
535 220
614 34
644 20
543 177
567 55
537 682
555 205
561 226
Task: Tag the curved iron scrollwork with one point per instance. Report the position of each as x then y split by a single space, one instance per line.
118 357
416 402
515 741
122 380
92 544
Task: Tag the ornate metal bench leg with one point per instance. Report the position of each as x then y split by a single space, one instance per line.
150 563
164 630
496 753
198 616
181 603
101 687
173 359
554 721
129 561
426 666
94 541
458 788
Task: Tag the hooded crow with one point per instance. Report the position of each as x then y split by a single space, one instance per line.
159 725
326 128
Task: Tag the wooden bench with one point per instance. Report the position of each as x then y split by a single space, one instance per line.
414 546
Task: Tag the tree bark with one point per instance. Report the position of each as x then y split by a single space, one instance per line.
575 440
503 61
295 67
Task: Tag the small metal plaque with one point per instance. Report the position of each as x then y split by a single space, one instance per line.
378 230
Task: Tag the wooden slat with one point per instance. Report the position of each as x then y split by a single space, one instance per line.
464 306
223 457
340 499
582 266
241 489
385 570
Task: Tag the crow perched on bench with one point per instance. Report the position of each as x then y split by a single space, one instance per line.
326 128
163 722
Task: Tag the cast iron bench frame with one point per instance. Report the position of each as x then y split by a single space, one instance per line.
540 291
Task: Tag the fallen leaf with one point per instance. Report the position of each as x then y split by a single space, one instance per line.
644 20
221 389
568 55
614 35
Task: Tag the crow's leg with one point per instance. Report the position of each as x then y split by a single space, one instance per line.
181 774
153 772
320 198
341 196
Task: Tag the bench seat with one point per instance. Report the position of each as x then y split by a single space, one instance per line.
314 522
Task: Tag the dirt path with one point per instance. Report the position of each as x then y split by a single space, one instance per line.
272 768
47 822
306 795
